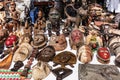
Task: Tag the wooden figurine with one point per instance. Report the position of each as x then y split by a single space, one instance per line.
54 25
40 24
28 28
73 17
3 36
13 23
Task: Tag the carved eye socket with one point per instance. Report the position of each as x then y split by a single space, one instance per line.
53 38
23 50
56 41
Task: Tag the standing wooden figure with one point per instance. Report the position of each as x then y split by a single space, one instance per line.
13 23
54 25
40 23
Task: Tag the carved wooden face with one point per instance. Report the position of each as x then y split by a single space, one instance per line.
65 58
12 6
46 54
39 39
76 36
84 54
58 42
103 53
40 14
22 52
95 10
54 15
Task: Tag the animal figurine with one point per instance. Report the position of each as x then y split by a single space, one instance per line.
58 42
72 15
84 54
76 14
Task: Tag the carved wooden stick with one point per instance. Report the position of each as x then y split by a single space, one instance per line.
29 63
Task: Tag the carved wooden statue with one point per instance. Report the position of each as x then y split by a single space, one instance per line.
40 24
54 24
28 28
13 23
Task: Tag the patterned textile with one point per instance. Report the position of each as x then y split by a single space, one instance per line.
6 74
